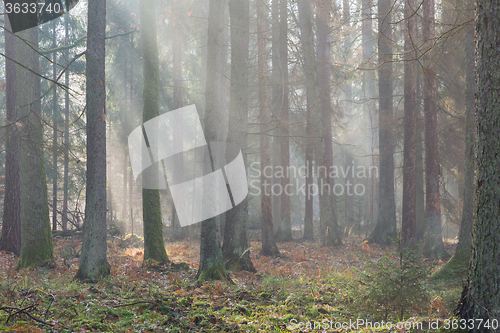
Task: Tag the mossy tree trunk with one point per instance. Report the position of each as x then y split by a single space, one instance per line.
211 262
11 221
93 261
433 239
269 247
235 248
154 246
459 263
480 296
410 125
36 236
385 229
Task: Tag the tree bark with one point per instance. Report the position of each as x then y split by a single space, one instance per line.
235 248
66 133
324 115
179 233
459 262
433 240
284 233
55 115
211 262
385 229
93 261
269 247
36 236
309 151
480 296
410 124
318 106
11 222
154 246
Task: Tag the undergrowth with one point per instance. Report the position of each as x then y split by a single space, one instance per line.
310 286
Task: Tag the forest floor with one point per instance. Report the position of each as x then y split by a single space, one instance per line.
310 288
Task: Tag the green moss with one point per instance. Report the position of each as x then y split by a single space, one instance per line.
103 270
154 247
38 253
457 267
216 272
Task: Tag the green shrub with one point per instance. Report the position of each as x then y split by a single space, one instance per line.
394 284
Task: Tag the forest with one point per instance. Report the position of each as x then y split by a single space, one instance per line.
250 166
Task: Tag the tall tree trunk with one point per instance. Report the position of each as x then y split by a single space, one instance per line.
211 262
284 232
327 212
420 211
11 221
410 124
93 261
154 246
55 115
370 97
36 236
332 235
385 229
275 111
309 151
269 247
459 263
480 296
132 100
235 248
66 132
179 232
349 199
125 181
433 246
346 21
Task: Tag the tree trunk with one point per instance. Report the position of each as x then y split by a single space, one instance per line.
179 233
370 98
385 229
11 222
93 261
36 236
410 125
154 246
211 262
309 150
480 296
349 200
66 132
235 248
55 115
433 244
327 212
275 111
284 233
420 211
269 247
459 263
324 114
